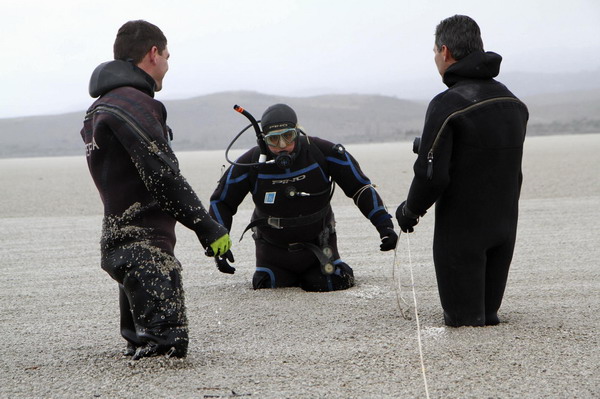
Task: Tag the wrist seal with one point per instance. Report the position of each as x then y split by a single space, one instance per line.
408 213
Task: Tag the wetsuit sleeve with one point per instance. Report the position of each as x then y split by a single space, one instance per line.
158 168
233 187
347 174
432 167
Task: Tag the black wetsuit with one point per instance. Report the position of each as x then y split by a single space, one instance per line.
144 195
469 165
283 258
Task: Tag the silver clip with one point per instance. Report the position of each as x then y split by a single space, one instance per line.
274 222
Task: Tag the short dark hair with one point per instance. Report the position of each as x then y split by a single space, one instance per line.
460 34
136 38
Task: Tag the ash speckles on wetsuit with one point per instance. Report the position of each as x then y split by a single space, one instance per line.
144 195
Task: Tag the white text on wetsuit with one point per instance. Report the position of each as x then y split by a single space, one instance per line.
89 147
292 180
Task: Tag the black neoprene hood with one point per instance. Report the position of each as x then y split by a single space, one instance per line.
278 116
118 73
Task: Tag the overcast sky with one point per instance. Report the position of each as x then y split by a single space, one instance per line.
286 47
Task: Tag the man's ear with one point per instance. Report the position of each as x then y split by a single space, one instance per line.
153 54
447 54
149 59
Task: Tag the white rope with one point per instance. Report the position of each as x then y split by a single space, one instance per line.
361 190
406 312
412 281
403 306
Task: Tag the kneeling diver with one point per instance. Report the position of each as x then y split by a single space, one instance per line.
293 224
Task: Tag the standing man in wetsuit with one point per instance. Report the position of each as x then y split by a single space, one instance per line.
293 224
144 194
469 165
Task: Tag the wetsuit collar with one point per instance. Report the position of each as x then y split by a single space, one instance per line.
118 73
477 65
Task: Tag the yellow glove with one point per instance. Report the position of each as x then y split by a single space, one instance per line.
220 246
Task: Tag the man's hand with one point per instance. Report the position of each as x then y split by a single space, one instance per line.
406 219
220 246
223 265
389 238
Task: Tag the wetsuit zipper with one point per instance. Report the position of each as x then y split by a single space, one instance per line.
455 113
151 144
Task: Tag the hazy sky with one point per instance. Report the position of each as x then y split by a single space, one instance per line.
287 47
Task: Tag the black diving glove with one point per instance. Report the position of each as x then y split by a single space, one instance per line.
389 238
223 265
406 219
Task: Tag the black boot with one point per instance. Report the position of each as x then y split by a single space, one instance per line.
130 350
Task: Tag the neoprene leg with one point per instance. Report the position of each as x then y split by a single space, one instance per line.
127 325
156 297
460 274
270 271
498 264
273 277
263 278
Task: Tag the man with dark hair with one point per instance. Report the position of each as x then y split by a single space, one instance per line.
469 165
135 39
293 223
144 194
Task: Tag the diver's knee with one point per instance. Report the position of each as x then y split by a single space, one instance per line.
345 276
341 279
263 278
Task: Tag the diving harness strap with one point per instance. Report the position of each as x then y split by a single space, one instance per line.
281 223
324 254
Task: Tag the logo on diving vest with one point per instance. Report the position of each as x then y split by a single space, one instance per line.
89 147
292 180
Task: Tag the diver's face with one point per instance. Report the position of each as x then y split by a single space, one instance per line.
282 146
282 140
162 66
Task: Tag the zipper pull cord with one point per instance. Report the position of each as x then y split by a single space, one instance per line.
430 165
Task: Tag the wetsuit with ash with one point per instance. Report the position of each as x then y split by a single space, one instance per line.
144 195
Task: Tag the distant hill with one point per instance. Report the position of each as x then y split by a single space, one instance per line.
522 84
530 84
209 122
567 112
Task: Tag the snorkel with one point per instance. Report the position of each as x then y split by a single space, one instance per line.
282 159
259 135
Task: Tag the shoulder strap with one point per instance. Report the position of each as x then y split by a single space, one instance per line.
316 152
253 171
130 122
